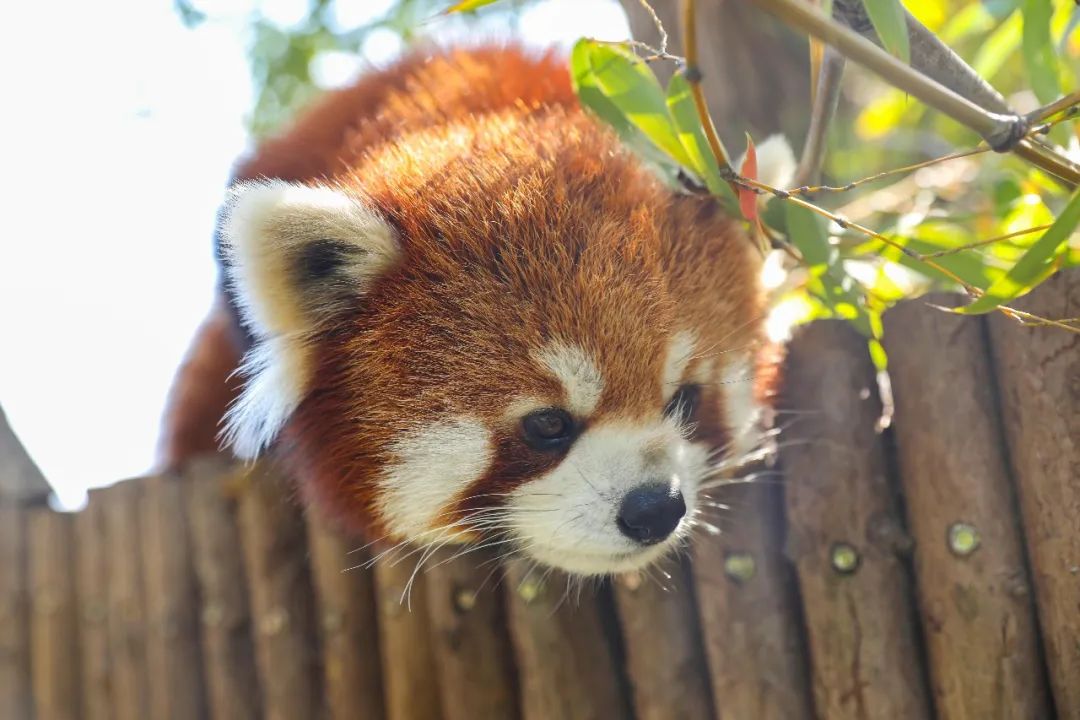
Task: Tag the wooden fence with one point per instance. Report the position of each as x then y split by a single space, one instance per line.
931 569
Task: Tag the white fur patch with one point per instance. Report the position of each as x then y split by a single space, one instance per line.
567 517
741 408
433 466
775 161
578 374
679 353
266 228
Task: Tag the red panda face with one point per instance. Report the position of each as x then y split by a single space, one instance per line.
503 330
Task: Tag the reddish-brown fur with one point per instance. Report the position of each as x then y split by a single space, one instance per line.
521 220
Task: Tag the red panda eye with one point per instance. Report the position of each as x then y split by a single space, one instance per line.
547 429
683 404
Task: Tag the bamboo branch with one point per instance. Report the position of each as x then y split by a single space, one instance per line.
929 55
693 78
1002 132
821 115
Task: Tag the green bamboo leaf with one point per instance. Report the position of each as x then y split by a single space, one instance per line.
806 231
631 86
588 89
1039 55
684 115
593 99
890 22
467 5
1035 266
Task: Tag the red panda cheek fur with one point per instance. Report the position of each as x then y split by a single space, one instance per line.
521 221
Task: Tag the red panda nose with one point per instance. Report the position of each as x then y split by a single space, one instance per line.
650 513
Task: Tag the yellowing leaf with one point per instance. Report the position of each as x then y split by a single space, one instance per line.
467 5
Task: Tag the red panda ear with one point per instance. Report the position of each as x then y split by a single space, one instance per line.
295 255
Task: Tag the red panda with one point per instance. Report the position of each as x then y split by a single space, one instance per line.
460 310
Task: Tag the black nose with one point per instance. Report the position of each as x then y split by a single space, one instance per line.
649 513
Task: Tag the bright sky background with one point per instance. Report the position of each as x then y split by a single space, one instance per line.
119 130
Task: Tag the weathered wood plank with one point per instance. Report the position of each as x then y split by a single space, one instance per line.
845 531
746 599
275 557
54 626
345 592
664 659
210 490
568 667
92 580
977 617
126 603
409 671
16 696
472 646
173 653
1038 371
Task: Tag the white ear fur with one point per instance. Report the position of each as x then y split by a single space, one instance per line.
295 255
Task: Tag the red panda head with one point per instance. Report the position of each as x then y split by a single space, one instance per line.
498 328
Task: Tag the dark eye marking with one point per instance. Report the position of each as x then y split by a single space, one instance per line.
321 259
684 403
548 429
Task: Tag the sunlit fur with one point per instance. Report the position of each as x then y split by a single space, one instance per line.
513 257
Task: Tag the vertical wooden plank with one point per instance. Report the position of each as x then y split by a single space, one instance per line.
1038 371
664 660
174 660
746 599
92 579
127 614
228 651
406 644
845 532
472 647
275 557
978 621
54 627
15 687
568 667
345 592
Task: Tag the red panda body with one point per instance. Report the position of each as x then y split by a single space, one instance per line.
467 311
